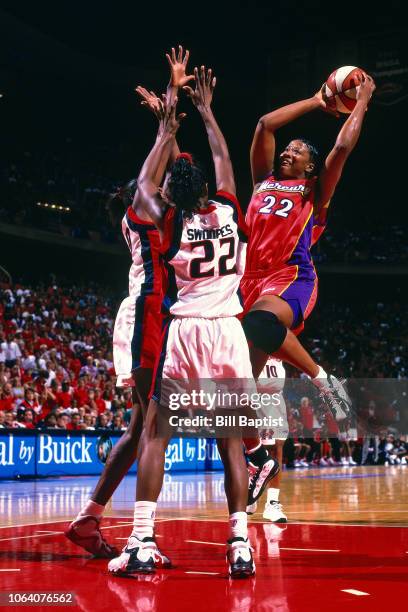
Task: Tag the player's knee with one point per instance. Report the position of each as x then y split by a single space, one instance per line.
264 330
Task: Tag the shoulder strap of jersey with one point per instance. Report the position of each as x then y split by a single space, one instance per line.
135 223
228 198
172 230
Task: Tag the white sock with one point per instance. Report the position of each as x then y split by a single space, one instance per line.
320 377
238 522
143 519
272 495
91 508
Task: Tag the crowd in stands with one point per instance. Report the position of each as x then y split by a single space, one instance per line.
56 371
56 366
62 180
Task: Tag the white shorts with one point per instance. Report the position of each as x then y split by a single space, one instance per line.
135 336
196 348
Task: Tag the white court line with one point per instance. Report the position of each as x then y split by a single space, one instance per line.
34 535
206 573
11 570
49 532
354 592
310 549
200 542
33 524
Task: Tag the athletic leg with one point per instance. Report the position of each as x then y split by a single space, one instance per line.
141 554
239 552
85 529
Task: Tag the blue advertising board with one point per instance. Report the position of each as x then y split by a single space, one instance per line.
32 453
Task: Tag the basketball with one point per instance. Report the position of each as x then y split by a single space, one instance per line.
340 89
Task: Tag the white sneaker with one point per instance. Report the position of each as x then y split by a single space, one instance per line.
351 461
323 462
304 463
344 461
138 556
251 509
334 395
297 464
273 512
239 558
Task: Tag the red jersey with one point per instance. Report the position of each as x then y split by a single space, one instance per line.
280 222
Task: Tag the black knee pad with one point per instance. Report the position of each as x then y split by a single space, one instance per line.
264 330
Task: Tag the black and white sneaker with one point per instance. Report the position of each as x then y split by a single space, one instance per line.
239 558
139 557
334 395
259 478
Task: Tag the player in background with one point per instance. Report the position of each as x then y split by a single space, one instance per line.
287 213
202 338
137 328
271 381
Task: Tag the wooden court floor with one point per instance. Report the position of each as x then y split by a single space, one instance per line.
345 546
350 495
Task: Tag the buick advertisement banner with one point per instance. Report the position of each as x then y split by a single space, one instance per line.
25 454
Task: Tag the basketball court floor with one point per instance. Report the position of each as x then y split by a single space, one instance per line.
345 547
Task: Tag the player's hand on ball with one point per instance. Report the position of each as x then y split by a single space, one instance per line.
320 96
366 87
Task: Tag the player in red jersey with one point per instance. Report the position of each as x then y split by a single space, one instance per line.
286 215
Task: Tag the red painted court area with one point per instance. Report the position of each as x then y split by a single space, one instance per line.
299 567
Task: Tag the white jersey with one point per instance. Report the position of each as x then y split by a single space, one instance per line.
205 259
143 240
272 377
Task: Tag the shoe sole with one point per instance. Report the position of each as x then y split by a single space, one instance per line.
242 574
125 573
271 474
281 520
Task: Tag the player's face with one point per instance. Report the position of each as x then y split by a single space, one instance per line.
295 161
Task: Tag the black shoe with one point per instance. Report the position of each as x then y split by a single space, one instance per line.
239 558
259 478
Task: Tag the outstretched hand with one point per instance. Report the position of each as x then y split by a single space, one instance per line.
169 121
205 83
178 67
150 100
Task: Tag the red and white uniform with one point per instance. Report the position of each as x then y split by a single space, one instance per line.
204 256
138 322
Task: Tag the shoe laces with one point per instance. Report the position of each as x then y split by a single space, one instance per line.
275 504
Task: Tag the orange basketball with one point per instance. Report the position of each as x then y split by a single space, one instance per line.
340 89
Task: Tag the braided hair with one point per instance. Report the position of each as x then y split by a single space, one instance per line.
187 184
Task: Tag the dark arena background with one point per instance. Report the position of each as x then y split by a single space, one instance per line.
73 131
